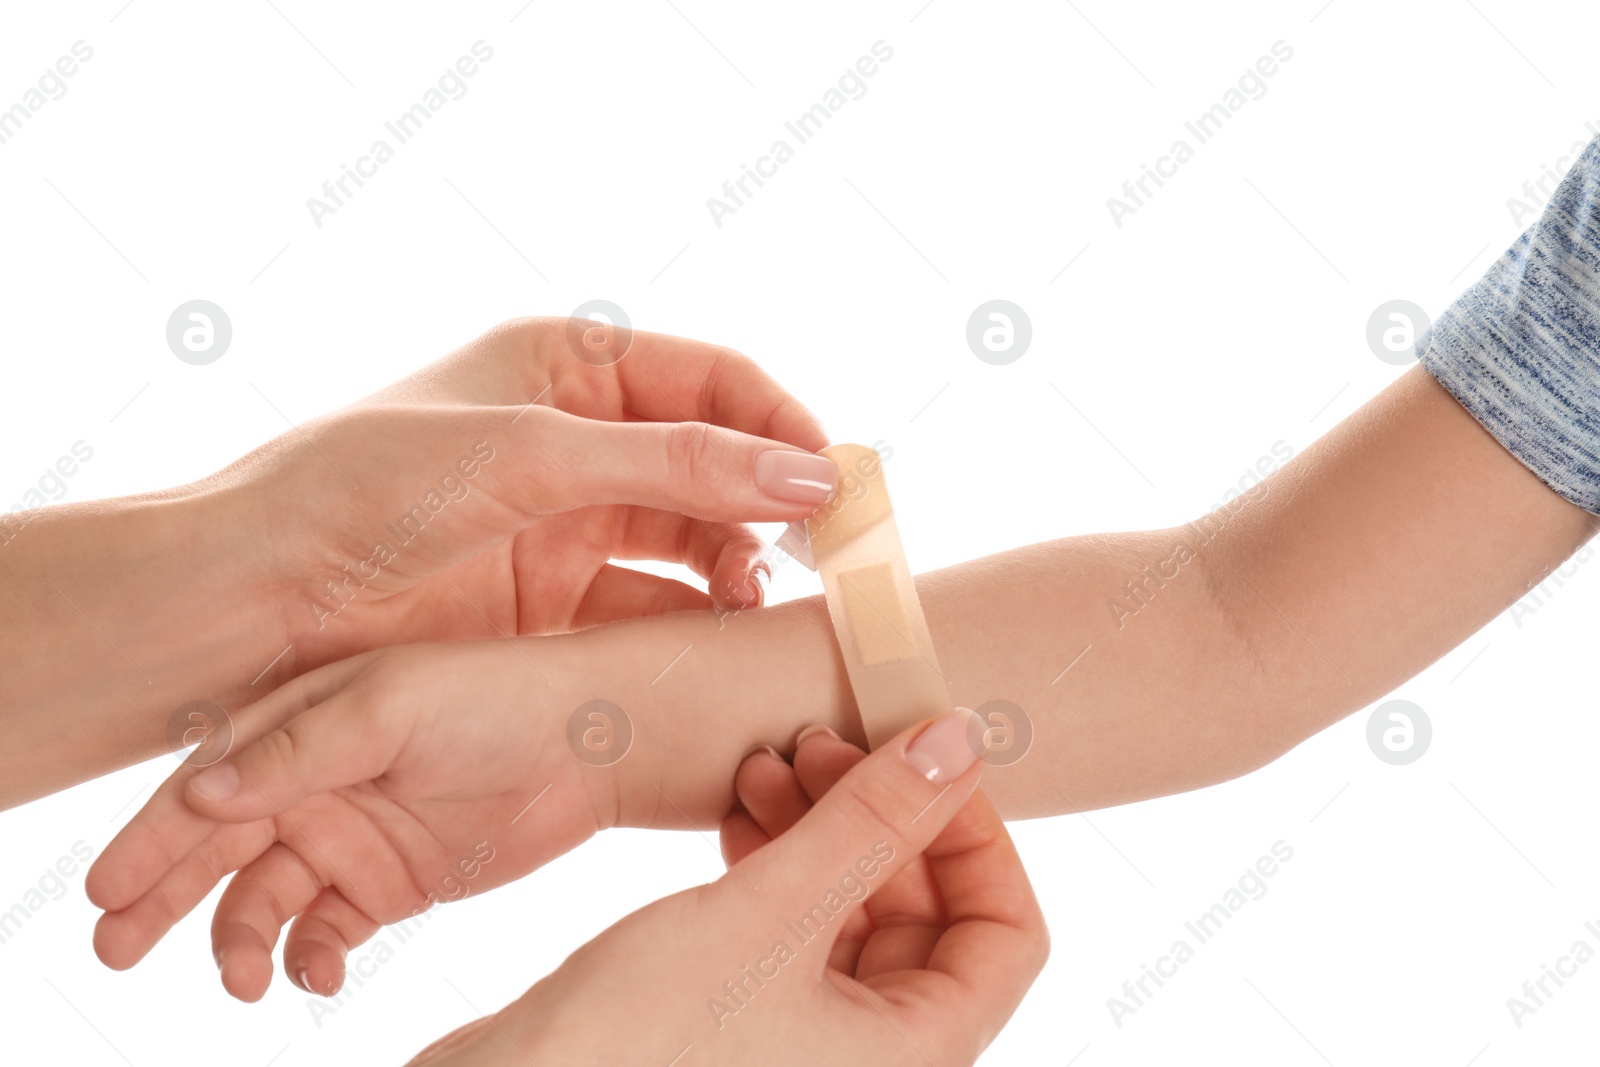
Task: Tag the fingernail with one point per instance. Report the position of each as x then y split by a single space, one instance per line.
218 782
942 752
755 590
303 976
813 731
769 750
798 477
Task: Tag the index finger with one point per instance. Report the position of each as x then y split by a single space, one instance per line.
674 379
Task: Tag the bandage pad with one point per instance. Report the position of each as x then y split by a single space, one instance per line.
872 600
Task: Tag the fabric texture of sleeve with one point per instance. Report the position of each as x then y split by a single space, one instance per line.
1520 349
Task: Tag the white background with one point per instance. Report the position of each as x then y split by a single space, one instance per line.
1227 314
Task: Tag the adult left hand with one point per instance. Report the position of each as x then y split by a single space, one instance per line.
486 495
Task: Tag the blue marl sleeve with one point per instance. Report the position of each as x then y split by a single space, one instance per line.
1520 349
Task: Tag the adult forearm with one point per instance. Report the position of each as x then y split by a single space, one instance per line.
115 613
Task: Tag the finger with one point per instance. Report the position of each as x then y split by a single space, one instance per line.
565 549
728 555
568 551
739 577
651 375
821 758
675 379
969 912
826 759
122 938
907 913
166 829
620 593
768 789
871 825
336 743
771 802
557 462
996 942
253 909
320 939
738 836
996 933
352 850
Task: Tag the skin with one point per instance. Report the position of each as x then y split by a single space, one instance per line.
925 971
220 590
1360 562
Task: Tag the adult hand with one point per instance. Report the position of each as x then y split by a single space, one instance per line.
657 455
483 496
890 923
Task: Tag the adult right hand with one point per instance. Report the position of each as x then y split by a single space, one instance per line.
875 912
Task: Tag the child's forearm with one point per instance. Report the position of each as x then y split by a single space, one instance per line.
1232 639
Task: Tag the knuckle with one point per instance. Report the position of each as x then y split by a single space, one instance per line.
1041 947
876 808
168 908
537 428
212 862
391 665
726 363
277 750
665 598
518 335
691 457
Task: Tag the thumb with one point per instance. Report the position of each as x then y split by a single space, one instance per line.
866 829
336 743
692 468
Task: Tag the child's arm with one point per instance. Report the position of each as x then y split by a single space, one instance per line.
1381 547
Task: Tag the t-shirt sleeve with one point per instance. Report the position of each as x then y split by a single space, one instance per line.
1520 349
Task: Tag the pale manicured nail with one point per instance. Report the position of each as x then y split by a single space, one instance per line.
216 783
760 575
813 731
942 752
796 477
303 976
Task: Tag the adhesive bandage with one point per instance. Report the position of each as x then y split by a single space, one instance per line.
854 543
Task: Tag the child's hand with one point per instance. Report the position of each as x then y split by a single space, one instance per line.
780 962
356 795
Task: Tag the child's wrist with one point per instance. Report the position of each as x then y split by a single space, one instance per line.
701 691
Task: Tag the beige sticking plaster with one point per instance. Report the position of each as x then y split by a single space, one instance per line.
872 600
